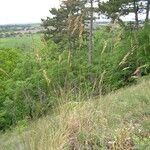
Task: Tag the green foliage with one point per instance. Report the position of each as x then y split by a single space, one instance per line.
142 144
34 81
122 56
8 62
116 120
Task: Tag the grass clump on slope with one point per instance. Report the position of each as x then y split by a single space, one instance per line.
120 120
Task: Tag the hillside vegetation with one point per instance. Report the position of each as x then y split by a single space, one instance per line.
78 85
72 56
33 81
120 120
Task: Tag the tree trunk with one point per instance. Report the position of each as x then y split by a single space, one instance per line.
136 14
91 34
147 11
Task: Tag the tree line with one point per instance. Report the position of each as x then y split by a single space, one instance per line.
68 23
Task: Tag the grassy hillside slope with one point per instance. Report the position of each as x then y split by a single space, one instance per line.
117 121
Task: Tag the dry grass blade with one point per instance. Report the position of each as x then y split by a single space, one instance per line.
123 61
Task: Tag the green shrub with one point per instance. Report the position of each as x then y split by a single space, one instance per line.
33 82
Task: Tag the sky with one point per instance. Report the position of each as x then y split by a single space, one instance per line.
31 11
25 11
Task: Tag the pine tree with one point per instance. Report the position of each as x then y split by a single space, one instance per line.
66 23
114 9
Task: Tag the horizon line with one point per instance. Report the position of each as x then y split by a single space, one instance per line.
1 24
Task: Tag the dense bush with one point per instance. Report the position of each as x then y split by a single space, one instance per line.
8 62
32 82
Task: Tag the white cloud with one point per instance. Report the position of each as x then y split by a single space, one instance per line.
25 11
